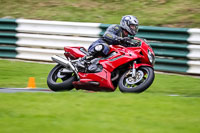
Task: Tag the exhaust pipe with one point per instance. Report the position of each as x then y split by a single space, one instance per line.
65 63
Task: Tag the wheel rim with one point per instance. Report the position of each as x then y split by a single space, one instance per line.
58 76
132 82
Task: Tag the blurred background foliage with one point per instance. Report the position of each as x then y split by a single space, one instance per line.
168 13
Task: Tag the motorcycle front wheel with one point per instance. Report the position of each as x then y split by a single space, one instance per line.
59 81
143 79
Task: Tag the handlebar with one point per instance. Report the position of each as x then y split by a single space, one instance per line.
127 41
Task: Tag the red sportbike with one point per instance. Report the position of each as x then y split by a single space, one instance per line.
130 68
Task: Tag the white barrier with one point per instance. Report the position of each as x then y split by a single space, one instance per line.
194 52
37 53
59 42
52 41
194 67
57 27
40 39
194 35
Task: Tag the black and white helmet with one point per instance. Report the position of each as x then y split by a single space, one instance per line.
130 24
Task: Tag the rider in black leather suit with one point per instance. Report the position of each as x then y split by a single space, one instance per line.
114 35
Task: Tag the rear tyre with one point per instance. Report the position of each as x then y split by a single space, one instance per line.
58 81
143 79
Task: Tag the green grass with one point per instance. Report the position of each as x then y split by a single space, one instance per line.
82 112
16 74
171 13
152 111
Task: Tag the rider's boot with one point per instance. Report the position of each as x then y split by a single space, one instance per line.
82 61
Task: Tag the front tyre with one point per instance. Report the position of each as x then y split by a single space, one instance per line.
59 81
143 79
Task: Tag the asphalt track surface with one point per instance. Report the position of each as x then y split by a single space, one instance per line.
14 90
44 90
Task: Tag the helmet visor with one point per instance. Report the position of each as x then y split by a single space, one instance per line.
133 27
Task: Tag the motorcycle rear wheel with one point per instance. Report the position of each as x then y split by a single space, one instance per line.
129 84
66 80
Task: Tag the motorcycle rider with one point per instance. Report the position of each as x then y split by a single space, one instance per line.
114 35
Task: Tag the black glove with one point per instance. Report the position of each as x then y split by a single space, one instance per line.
135 42
127 40
123 41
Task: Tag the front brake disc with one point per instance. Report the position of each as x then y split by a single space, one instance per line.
133 80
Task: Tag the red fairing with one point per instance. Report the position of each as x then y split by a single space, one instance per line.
74 52
123 56
118 56
87 81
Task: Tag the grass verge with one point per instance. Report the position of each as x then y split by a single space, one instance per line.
153 111
81 112
16 74
170 13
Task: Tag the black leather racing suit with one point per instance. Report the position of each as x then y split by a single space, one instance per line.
111 36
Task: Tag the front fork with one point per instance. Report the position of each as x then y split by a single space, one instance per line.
134 69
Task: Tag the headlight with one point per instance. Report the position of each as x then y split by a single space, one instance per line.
151 57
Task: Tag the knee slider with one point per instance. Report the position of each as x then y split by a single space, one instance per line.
99 48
